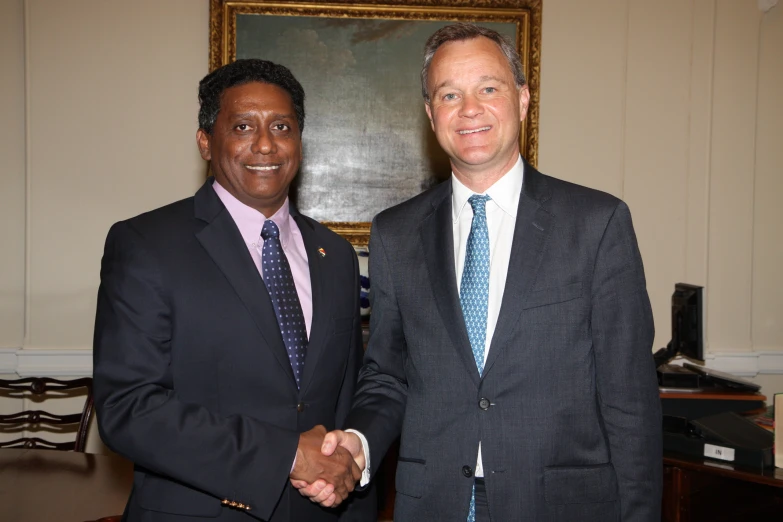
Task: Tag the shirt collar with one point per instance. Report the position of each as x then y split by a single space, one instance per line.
250 221
504 192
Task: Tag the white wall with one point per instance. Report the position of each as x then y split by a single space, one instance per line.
12 174
673 105
113 112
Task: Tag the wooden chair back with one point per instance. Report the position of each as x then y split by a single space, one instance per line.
24 420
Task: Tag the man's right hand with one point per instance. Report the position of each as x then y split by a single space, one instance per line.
334 442
336 472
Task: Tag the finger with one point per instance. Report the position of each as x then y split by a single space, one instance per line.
349 482
298 484
356 472
314 489
339 497
331 441
331 501
325 493
341 488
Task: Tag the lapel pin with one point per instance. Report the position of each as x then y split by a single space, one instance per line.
322 252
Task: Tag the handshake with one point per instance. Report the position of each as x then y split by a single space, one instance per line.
327 466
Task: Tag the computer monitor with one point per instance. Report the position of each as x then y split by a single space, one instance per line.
687 326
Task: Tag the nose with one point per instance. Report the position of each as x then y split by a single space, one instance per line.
471 106
264 143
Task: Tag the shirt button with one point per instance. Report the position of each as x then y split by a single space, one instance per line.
467 471
300 407
484 404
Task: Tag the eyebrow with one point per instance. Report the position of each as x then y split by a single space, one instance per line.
492 78
485 78
276 116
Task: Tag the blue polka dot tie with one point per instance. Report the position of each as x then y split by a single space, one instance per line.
474 292
280 283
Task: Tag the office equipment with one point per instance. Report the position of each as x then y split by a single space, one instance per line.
674 376
725 436
687 338
687 330
714 378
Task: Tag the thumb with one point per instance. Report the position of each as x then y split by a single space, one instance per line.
331 441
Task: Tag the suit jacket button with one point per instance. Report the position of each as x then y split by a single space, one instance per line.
300 407
467 471
484 404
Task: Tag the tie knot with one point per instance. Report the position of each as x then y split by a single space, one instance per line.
270 230
478 203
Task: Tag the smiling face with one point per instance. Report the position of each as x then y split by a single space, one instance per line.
256 146
475 108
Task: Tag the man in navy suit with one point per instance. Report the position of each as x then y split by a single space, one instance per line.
511 332
198 378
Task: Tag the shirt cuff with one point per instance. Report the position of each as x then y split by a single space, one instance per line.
366 449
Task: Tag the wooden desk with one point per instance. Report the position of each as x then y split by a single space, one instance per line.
697 490
710 401
59 486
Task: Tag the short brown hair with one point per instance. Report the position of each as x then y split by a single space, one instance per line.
464 31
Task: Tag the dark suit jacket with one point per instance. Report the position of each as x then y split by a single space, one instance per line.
571 429
192 379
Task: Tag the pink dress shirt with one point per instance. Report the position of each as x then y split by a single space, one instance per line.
250 221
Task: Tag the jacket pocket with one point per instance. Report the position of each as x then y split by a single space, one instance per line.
549 296
410 477
165 496
580 484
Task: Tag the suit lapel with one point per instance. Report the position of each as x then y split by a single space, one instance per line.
223 242
532 229
319 329
438 241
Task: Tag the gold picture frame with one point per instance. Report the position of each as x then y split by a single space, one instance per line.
345 185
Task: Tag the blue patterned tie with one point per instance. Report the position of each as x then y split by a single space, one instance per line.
474 293
474 289
280 283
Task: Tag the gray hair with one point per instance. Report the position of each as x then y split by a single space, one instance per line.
463 31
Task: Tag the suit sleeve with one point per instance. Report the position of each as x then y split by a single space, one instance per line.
362 505
622 329
345 400
382 389
140 415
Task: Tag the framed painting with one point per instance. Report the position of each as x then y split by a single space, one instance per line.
367 141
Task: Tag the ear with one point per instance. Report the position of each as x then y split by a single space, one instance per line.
203 142
524 101
429 115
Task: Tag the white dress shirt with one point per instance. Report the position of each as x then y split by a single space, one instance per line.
501 220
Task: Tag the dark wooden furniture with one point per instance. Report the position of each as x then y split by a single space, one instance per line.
42 485
709 401
46 388
696 490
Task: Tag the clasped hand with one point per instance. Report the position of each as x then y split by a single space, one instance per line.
328 465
